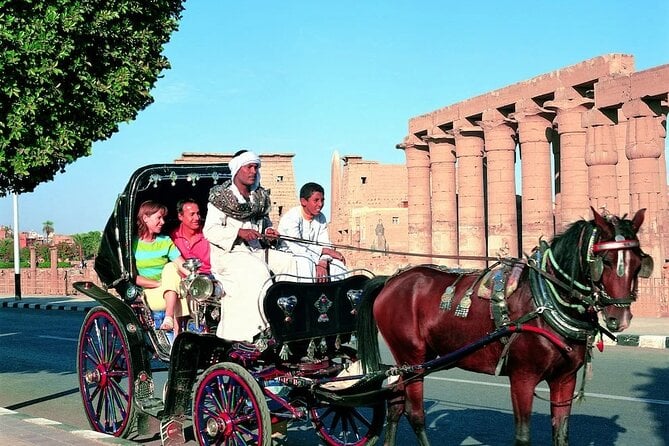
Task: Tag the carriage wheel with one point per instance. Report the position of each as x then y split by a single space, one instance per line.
229 408
105 374
348 426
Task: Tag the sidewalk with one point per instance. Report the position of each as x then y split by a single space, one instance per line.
18 429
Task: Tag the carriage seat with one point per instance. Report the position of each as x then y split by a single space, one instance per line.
311 311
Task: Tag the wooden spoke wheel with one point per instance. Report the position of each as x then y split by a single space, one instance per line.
229 408
105 374
348 426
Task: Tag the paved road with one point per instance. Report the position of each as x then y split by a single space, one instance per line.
627 401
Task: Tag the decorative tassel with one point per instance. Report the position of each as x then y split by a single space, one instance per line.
462 310
323 345
285 352
311 350
337 342
447 298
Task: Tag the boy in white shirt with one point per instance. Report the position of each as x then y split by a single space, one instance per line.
307 222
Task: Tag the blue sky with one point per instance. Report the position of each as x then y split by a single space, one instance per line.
309 78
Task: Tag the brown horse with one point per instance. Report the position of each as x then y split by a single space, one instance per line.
425 312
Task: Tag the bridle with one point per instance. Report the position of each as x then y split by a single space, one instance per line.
595 260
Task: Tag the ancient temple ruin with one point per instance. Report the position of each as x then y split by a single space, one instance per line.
495 173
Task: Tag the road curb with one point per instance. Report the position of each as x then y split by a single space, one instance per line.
647 341
40 424
38 306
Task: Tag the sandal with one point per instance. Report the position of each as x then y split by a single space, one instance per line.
168 324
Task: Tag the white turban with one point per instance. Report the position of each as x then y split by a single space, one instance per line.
244 159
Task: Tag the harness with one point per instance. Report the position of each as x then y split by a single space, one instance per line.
556 312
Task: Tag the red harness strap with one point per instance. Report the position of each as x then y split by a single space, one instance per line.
545 333
617 244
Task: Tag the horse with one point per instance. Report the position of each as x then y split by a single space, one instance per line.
425 312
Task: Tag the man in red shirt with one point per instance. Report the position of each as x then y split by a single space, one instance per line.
188 235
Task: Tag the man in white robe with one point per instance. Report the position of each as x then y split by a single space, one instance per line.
306 222
237 222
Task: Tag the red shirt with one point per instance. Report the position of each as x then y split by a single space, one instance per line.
199 249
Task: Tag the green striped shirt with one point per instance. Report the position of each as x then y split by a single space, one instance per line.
151 257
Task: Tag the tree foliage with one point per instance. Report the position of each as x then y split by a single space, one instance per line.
71 71
48 229
89 243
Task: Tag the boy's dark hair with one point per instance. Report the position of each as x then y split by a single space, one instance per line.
310 188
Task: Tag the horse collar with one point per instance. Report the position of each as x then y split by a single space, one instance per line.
545 295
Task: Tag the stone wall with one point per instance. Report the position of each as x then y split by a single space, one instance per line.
46 281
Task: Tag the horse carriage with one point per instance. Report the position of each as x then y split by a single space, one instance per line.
305 366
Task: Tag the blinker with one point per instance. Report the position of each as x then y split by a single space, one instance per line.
647 265
596 269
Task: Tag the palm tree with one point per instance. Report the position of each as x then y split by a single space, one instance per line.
47 227
79 242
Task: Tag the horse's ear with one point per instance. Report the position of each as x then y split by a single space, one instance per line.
604 226
638 219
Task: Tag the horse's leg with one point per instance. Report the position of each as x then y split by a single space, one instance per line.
395 409
415 410
522 395
562 391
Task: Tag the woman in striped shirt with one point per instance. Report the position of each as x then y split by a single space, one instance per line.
158 263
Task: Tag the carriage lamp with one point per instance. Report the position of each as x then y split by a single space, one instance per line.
132 292
201 288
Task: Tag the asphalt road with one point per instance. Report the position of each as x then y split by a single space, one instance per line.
627 400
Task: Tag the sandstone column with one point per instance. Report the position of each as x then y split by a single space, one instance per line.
33 269
336 224
601 157
444 195
500 147
534 129
471 204
418 194
623 166
572 185
54 286
644 146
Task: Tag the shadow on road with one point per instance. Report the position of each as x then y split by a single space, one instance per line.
657 388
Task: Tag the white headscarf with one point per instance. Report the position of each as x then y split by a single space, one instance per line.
244 159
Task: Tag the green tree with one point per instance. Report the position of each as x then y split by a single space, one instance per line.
87 243
71 71
47 228
6 250
67 252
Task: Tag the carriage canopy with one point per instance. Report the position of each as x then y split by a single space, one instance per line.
163 183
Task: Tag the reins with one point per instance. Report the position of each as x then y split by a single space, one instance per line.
506 260
400 253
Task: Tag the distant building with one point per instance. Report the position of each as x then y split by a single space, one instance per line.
278 176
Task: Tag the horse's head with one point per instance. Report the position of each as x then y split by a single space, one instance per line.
615 263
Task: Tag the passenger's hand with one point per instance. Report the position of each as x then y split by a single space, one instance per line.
322 271
334 254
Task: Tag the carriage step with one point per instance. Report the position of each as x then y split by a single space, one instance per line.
152 406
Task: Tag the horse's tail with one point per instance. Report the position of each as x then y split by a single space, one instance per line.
367 332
